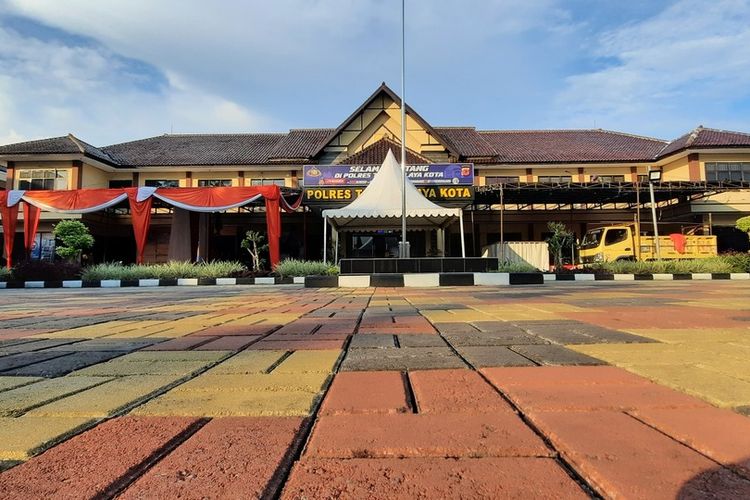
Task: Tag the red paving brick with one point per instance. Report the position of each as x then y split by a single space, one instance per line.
562 376
86 465
599 397
431 478
720 434
366 392
230 343
230 329
624 458
298 345
227 458
445 391
426 435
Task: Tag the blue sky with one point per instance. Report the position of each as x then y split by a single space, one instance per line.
121 70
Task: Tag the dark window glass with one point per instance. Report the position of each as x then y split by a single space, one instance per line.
120 184
267 182
555 179
214 182
615 236
728 171
162 183
42 179
608 179
500 179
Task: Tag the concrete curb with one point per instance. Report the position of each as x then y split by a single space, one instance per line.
426 280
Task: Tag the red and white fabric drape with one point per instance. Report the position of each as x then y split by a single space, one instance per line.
82 201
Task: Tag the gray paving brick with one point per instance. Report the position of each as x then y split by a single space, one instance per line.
372 341
488 339
487 356
15 361
61 366
37 345
496 327
446 328
406 340
409 358
551 354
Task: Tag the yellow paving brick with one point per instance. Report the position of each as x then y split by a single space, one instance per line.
229 403
90 331
141 329
12 382
173 356
22 437
715 387
309 361
121 369
255 382
641 354
103 400
248 362
733 367
697 335
20 399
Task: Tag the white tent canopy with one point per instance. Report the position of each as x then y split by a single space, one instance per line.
379 206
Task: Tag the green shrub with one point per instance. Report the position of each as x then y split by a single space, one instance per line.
516 267
294 267
43 270
75 238
740 262
5 274
743 224
169 270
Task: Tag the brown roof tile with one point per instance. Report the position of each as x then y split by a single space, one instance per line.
570 146
375 154
702 137
196 149
468 142
300 143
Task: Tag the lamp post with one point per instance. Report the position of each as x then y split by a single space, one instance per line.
654 176
403 250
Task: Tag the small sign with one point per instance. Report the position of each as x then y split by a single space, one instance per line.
449 174
344 195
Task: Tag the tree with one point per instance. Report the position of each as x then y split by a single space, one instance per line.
743 224
561 238
75 238
254 245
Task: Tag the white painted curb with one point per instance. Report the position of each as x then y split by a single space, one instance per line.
262 281
702 276
72 284
354 281
187 282
110 284
422 280
739 276
227 281
584 277
624 277
492 279
148 282
663 277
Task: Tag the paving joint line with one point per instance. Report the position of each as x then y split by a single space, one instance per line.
410 395
281 475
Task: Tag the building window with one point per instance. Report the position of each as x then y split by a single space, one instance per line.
212 183
728 171
267 182
120 184
555 179
608 179
500 179
48 178
643 178
162 183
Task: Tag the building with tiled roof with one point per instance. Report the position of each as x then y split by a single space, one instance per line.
703 156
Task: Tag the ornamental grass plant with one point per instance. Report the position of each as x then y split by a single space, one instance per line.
718 264
169 270
296 268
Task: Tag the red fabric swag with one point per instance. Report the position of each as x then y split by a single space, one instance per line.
30 225
140 215
10 218
78 200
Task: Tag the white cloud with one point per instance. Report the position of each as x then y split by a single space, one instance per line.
670 72
51 88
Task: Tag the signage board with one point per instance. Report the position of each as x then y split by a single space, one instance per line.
436 174
346 194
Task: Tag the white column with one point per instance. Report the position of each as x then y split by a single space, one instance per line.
325 239
335 236
461 225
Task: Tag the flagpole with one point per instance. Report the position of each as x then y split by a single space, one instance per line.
403 253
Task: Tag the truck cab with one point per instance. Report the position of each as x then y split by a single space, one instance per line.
607 244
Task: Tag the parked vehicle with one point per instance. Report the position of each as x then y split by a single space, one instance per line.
625 242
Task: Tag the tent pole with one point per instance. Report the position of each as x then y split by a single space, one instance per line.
463 243
325 239
335 236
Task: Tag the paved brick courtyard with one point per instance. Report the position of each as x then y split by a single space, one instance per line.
633 390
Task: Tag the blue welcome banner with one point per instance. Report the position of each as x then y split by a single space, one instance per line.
454 174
